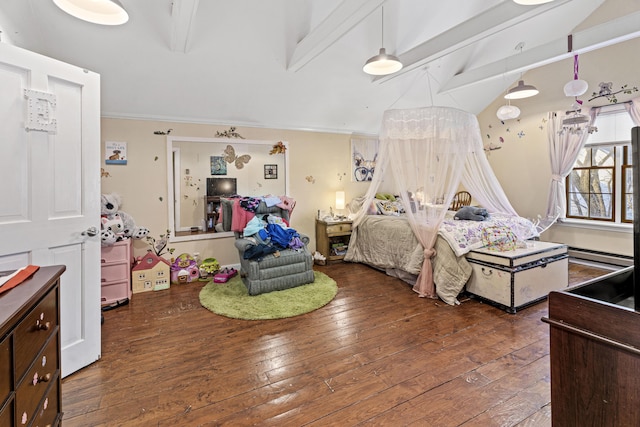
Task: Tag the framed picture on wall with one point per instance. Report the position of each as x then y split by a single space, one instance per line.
115 153
218 165
270 171
364 153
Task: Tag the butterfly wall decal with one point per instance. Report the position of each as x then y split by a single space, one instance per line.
231 157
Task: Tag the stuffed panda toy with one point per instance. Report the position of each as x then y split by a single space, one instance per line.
112 216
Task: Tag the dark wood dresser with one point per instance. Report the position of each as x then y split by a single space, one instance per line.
30 386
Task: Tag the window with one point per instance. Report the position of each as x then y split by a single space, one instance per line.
599 187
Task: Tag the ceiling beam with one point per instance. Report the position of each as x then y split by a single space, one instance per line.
343 18
183 14
603 35
493 20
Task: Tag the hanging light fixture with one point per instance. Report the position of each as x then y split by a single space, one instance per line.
575 87
521 91
383 63
508 112
103 12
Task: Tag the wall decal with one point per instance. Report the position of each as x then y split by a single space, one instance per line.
607 92
231 133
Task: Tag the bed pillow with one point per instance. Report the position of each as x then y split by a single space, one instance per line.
386 207
386 196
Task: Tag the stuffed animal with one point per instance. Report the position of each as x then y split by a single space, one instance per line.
110 206
112 229
471 213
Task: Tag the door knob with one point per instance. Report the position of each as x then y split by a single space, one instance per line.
91 231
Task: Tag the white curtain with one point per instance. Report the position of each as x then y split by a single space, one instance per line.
478 178
633 108
564 147
426 151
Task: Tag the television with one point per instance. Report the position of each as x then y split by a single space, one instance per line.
221 186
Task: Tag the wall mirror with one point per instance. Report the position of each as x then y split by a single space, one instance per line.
199 170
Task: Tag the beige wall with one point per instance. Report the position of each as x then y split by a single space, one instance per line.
521 164
142 183
522 167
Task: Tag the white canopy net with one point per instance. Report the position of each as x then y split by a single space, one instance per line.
428 153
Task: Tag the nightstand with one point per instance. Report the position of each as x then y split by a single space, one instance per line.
332 238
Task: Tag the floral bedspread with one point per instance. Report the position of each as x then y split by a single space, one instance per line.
464 236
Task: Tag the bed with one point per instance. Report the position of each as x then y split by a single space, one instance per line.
386 242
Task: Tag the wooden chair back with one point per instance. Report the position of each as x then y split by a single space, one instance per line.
461 198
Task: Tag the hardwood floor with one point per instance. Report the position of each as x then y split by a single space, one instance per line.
376 355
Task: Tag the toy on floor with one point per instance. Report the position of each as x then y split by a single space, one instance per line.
184 269
224 275
208 268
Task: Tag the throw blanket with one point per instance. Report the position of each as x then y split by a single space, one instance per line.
465 236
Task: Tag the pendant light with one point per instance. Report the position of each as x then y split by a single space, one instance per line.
521 91
103 12
383 63
508 112
575 87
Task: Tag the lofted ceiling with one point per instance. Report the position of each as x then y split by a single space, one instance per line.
297 64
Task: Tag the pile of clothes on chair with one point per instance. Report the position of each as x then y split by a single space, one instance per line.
270 233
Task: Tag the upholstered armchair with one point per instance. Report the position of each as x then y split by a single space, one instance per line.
284 269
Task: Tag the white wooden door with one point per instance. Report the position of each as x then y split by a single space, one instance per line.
50 186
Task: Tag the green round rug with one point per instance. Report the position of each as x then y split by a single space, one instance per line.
231 299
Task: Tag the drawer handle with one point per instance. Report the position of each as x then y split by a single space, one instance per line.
42 326
38 379
487 273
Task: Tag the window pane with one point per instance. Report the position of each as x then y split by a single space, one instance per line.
628 187
601 180
578 205
628 207
579 181
600 206
584 158
603 156
627 155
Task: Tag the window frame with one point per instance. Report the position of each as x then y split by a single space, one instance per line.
590 169
622 166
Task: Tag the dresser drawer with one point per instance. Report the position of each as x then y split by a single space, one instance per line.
47 412
339 228
34 385
114 292
5 370
33 332
118 252
114 273
6 415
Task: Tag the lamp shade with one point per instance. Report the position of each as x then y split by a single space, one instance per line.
104 12
521 91
382 64
576 88
340 199
507 112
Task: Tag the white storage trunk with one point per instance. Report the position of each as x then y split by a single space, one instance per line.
515 279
